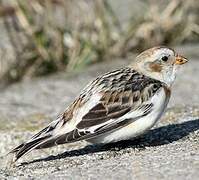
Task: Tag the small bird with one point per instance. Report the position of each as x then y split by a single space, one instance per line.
118 105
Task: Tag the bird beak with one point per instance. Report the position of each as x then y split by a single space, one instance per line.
179 60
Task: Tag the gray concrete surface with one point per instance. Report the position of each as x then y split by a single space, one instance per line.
169 151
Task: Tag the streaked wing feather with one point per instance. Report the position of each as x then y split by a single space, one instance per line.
105 117
83 134
108 108
89 128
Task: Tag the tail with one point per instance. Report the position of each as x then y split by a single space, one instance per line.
24 148
43 139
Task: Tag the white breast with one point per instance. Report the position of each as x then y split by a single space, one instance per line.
139 126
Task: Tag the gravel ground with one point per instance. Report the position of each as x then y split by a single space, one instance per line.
169 151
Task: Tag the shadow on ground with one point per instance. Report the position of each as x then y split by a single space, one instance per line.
156 137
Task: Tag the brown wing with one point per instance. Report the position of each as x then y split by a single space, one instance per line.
129 92
104 116
114 104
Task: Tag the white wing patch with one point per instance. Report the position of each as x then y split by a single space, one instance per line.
78 115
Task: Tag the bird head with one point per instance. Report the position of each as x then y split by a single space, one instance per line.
160 63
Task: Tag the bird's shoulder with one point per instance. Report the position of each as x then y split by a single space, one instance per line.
120 79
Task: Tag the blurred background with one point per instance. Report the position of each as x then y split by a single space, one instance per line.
41 37
50 49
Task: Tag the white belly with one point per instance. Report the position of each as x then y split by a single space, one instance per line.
139 126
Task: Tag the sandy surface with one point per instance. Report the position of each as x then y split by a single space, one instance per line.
169 151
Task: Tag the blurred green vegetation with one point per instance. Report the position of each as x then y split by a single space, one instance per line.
62 35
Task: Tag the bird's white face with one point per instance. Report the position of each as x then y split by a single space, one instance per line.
160 63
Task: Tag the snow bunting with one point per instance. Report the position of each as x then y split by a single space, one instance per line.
118 105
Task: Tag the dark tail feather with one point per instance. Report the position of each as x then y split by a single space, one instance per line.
43 139
17 148
43 142
27 147
8 160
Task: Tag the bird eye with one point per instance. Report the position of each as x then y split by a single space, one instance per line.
165 58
